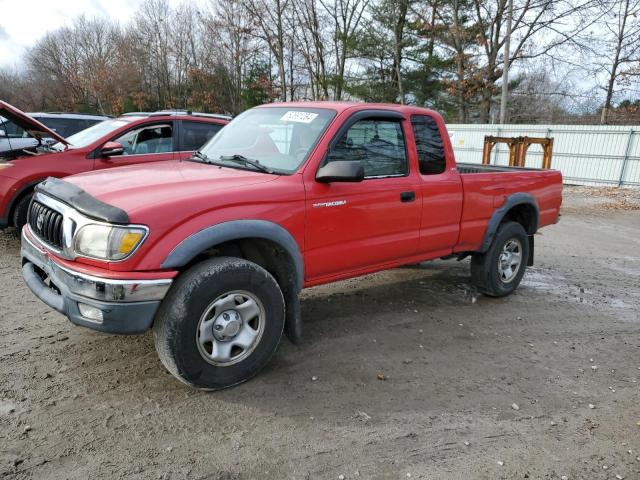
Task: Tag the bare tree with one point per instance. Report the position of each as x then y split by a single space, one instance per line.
620 48
311 41
452 25
269 16
393 15
538 27
79 63
231 28
152 31
95 42
346 16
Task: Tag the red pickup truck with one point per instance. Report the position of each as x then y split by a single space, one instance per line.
132 138
212 252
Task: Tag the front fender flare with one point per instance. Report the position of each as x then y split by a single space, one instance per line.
208 237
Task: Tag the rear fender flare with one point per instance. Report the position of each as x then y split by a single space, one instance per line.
496 219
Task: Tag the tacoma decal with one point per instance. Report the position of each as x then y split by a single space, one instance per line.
336 203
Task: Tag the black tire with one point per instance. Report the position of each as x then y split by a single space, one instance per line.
21 211
485 271
176 327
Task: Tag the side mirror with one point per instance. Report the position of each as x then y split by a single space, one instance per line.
110 149
341 171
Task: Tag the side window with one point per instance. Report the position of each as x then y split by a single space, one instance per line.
196 134
379 144
429 145
145 140
11 130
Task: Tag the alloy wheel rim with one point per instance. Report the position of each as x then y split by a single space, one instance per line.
510 260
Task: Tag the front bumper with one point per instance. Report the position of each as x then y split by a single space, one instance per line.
126 306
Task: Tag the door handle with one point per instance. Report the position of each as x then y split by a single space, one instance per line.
407 196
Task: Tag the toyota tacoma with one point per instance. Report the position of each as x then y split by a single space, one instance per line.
211 252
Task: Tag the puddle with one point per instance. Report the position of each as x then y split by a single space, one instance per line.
627 270
557 285
6 407
536 279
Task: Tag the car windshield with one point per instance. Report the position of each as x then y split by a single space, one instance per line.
89 135
279 138
66 126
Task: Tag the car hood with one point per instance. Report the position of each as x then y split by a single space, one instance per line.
27 123
137 188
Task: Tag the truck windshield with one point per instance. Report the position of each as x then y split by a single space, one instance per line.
89 135
278 138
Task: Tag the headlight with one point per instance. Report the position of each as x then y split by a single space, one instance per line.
108 242
5 165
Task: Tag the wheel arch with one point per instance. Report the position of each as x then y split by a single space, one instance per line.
239 232
19 195
518 207
266 243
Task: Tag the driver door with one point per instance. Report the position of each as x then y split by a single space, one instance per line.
150 143
358 226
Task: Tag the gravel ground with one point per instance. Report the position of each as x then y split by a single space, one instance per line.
542 384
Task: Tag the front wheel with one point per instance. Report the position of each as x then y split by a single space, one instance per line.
220 323
21 212
498 272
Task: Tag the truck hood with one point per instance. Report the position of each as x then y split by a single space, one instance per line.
27 123
140 187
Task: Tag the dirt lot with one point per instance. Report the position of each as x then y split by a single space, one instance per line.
565 349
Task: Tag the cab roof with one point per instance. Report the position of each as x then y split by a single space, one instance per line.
341 106
177 113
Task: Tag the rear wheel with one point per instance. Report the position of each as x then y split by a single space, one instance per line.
220 323
498 272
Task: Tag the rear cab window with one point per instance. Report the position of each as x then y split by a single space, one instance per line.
429 145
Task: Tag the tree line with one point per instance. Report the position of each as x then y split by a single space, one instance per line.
568 59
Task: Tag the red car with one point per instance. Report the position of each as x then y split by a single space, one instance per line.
211 253
131 138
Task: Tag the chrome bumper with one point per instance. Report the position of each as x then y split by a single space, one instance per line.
102 289
126 306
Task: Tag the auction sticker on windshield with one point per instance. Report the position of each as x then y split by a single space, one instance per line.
300 117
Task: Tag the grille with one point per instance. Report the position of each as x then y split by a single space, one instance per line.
46 223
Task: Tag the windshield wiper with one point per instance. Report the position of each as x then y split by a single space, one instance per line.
201 156
247 161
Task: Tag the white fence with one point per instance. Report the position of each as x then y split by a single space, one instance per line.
586 155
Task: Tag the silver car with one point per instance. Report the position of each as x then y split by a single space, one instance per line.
14 141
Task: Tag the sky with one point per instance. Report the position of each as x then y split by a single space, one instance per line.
23 22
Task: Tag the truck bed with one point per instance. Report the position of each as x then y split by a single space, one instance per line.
484 193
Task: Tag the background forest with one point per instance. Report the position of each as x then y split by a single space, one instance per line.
571 61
